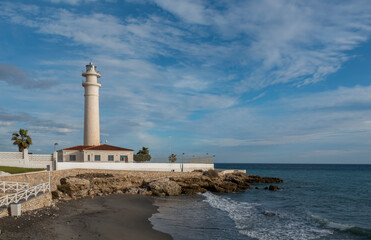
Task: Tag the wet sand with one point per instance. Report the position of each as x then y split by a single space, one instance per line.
108 217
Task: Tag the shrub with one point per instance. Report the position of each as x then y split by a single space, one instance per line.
142 157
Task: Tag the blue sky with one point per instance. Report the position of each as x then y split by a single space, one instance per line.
248 81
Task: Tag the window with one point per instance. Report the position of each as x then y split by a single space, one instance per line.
110 157
88 157
72 157
97 157
123 158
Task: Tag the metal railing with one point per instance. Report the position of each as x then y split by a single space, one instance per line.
183 158
23 191
9 187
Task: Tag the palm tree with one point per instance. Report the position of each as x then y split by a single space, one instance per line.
172 158
22 139
142 155
144 150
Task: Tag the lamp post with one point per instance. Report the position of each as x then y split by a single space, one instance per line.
55 146
171 147
182 162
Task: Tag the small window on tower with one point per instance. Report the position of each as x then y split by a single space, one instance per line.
97 157
110 157
72 157
88 157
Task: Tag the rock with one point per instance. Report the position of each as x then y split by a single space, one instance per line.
55 194
241 179
132 191
140 191
266 188
258 179
211 173
256 188
99 184
164 187
273 188
225 187
94 175
143 191
192 189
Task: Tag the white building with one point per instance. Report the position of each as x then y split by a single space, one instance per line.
100 153
92 150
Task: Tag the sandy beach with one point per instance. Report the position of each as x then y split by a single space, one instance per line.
108 217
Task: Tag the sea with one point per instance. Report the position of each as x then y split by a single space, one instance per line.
316 201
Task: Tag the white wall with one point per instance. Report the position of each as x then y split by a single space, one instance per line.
33 164
18 159
11 155
40 157
166 167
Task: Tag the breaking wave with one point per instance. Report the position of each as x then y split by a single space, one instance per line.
252 220
362 232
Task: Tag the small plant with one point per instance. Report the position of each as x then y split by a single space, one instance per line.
211 173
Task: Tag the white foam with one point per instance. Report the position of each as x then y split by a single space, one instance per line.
331 224
251 220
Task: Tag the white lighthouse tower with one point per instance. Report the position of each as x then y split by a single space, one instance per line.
91 114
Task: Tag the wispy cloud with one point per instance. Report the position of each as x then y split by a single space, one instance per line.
274 42
72 2
35 123
13 75
329 117
203 69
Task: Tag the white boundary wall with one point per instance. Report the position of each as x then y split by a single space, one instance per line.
19 159
163 167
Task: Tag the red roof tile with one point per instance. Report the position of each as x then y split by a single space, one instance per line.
103 147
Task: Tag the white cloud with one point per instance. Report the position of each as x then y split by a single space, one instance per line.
6 124
190 82
330 118
189 10
285 41
272 42
208 61
72 2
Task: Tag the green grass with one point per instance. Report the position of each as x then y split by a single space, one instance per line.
13 170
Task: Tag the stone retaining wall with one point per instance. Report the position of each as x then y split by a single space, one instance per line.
44 200
55 176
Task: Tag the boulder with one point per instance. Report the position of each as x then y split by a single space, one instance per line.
258 179
273 188
192 189
211 173
74 187
227 187
241 179
165 187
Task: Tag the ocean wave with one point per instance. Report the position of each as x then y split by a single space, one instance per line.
252 220
363 232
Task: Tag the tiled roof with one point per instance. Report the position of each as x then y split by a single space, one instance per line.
103 147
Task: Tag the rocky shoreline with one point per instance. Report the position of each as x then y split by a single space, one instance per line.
62 220
99 184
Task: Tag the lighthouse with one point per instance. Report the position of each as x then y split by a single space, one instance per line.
91 108
92 150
